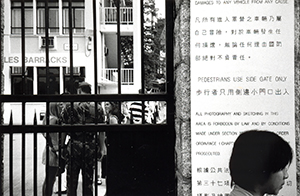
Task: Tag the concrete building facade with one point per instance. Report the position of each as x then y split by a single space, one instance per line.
84 45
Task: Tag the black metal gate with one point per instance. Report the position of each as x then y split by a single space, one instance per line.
140 157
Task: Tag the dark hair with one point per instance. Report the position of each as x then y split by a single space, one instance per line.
256 155
115 110
86 89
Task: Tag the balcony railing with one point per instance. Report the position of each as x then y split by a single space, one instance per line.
109 15
111 74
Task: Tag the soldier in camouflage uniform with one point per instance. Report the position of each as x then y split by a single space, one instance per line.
83 152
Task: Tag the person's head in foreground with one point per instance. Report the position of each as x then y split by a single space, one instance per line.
84 88
259 163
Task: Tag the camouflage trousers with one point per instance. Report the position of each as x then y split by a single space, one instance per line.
81 158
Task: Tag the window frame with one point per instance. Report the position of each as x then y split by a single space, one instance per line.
42 75
78 76
50 42
28 6
41 14
18 75
65 16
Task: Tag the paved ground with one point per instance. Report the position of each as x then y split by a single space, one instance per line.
17 163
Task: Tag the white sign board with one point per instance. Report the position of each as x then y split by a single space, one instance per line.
242 78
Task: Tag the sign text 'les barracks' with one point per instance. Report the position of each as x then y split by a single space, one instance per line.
36 59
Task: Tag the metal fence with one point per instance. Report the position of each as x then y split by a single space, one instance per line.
32 130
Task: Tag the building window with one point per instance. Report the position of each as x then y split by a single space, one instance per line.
53 80
78 25
50 42
16 81
16 17
53 16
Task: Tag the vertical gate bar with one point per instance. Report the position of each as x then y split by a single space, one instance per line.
59 160
1 45
35 158
95 46
71 155
119 53
71 39
47 137
170 4
119 46
61 143
170 60
35 164
23 46
83 170
47 179
142 47
72 103
96 162
47 45
1 49
142 59
1 103
48 91
23 150
11 156
11 189
23 92
95 88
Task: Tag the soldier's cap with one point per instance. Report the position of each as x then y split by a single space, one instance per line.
81 84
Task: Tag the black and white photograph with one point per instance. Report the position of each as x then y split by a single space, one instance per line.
150 98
